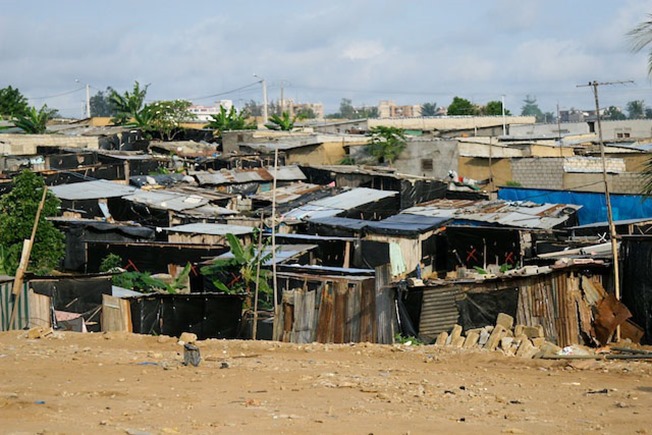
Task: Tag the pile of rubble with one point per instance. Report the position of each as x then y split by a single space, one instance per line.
521 341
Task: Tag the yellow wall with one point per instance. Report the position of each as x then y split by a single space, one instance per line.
478 169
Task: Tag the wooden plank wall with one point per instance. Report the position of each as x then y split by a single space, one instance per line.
116 314
337 311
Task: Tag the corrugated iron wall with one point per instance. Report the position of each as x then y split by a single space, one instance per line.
552 300
7 304
438 311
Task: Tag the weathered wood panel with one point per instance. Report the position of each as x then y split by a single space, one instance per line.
116 314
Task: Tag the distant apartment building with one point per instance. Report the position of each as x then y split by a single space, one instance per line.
389 109
203 113
295 108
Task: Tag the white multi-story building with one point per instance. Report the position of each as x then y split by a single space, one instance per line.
203 113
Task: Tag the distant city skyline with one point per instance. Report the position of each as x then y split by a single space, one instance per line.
321 52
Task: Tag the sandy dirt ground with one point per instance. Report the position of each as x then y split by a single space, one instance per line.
124 383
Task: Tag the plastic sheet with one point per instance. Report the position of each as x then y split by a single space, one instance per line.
479 309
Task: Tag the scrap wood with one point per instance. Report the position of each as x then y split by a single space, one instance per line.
611 313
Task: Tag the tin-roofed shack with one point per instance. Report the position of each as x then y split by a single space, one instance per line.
559 299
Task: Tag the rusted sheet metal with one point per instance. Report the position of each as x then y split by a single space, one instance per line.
558 301
333 309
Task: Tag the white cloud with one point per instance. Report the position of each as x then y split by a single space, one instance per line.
362 50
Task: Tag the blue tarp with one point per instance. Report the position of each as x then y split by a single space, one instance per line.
594 208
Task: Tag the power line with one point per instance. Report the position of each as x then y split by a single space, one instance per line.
57 95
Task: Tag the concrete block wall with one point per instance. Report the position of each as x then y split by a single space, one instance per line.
25 144
594 164
541 173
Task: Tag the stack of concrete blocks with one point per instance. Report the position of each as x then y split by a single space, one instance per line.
520 340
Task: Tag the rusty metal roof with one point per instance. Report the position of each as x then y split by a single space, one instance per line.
521 214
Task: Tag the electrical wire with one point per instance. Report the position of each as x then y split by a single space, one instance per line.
57 95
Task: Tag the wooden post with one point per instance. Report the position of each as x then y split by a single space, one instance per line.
24 260
254 331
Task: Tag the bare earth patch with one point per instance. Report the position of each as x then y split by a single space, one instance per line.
127 383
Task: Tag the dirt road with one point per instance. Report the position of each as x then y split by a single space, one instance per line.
123 383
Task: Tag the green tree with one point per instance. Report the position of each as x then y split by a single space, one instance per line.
531 108
306 113
613 113
164 117
429 109
253 108
230 120
635 109
495 108
242 272
17 213
35 121
461 106
127 105
101 104
12 103
284 122
386 143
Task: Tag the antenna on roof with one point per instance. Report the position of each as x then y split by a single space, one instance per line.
612 228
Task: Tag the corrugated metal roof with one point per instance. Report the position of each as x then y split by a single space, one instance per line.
210 229
283 253
239 176
98 189
334 205
406 223
209 210
285 144
287 193
339 222
519 214
166 200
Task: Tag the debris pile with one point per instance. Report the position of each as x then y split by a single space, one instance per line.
514 340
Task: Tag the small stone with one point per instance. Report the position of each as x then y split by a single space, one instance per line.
458 342
505 320
456 332
472 338
526 349
441 339
187 337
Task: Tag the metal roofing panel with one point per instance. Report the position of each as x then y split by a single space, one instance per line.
98 189
211 229
407 223
167 200
287 193
355 198
287 173
348 223
283 253
508 213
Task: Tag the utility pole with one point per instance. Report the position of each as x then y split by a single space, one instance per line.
561 152
88 100
264 85
503 107
612 228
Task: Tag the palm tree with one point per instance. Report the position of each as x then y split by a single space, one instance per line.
35 121
284 122
641 37
241 272
231 120
128 104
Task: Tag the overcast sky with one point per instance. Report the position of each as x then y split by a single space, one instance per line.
410 52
